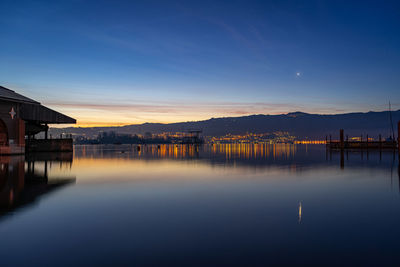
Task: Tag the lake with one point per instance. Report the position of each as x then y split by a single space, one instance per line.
228 204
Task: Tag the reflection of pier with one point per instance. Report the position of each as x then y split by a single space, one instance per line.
23 184
381 145
365 157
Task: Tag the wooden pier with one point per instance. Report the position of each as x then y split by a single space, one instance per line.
49 145
364 144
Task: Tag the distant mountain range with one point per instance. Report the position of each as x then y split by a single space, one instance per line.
302 125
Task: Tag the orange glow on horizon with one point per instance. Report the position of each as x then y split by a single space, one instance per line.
115 114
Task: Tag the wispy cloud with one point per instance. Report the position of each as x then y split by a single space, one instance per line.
161 107
165 112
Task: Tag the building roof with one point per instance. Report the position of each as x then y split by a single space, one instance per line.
41 114
10 95
32 110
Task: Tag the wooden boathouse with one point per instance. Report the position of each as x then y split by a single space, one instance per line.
21 118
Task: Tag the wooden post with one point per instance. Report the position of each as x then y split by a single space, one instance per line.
380 141
341 149
367 140
341 139
398 138
46 131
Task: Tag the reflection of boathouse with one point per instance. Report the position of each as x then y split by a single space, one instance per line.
21 186
22 117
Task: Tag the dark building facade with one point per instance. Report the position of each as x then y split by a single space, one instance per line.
22 117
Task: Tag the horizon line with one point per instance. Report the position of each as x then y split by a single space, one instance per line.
120 124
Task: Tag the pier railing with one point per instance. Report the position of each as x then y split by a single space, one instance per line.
335 144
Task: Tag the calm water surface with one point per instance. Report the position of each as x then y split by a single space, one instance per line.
209 205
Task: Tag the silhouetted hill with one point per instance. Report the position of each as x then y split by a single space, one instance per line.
302 125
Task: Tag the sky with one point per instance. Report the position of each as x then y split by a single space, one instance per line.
128 62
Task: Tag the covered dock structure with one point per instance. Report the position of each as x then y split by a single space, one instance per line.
21 118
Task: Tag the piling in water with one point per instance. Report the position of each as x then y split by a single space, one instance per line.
398 138
341 138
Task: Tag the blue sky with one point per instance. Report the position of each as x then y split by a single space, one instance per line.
120 62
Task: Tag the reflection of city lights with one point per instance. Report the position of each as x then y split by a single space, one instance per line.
229 150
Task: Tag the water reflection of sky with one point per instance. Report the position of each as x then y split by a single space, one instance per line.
221 205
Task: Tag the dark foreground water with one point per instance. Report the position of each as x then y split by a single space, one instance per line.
215 205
